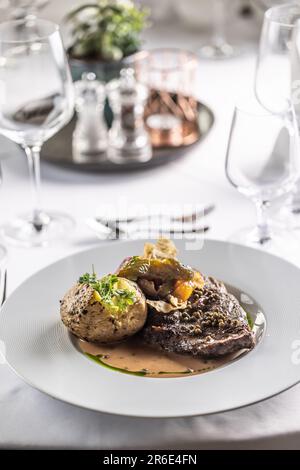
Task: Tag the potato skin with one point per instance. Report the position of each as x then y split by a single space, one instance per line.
88 319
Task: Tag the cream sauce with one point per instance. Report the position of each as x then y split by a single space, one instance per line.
136 358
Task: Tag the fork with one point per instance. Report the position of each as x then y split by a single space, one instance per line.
113 229
183 218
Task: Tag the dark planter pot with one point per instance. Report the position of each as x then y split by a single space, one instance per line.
104 71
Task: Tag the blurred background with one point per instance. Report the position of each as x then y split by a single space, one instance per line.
193 16
171 46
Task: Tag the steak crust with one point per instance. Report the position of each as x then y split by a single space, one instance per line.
212 325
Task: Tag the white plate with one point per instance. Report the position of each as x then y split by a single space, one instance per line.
39 348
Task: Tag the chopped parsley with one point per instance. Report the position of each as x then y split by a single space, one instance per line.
250 320
88 278
109 290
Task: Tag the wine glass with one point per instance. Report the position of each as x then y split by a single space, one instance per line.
262 162
36 100
22 9
3 266
264 5
218 48
278 68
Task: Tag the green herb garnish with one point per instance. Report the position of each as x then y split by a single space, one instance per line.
114 297
88 278
106 30
250 320
99 360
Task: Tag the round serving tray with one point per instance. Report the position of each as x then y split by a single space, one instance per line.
58 149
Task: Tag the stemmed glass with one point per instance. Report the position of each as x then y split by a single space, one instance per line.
36 100
278 68
264 5
3 266
218 48
262 162
22 9
276 64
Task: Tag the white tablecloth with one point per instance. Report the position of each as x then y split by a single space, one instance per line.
30 419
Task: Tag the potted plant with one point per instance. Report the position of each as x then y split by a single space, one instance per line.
102 35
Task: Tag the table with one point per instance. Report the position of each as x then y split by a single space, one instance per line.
30 419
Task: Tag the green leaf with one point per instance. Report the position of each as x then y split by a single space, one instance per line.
108 32
250 320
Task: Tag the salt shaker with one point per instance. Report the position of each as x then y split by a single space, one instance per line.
90 134
128 139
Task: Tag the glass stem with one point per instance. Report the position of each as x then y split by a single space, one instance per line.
219 22
294 199
263 228
33 156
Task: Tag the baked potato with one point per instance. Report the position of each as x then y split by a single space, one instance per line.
106 311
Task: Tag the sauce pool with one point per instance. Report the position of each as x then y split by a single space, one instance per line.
134 357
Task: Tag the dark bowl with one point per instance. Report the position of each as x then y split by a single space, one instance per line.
104 71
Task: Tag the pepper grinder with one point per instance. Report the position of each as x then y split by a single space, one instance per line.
90 134
128 139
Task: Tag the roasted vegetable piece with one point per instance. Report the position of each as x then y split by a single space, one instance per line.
155 269
134 268
155 292
183 290
163 248
160 306
198 280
